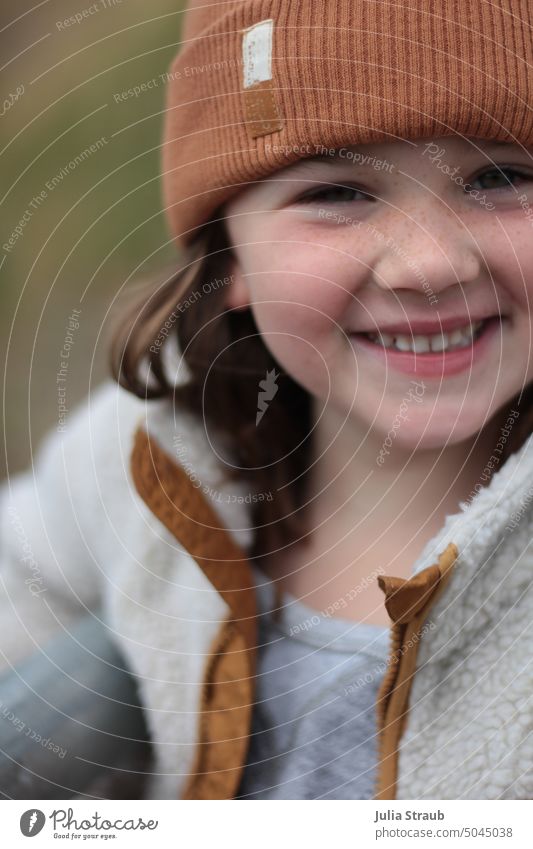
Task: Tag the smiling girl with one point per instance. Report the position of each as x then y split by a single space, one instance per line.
333 259
310 500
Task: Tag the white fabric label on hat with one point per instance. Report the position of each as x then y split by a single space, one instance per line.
257 53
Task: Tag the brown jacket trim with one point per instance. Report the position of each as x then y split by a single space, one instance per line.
408 603
171 495
229 682
226 717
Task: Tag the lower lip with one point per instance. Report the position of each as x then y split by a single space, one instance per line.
436 363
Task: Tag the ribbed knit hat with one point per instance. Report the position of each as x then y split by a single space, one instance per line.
258 84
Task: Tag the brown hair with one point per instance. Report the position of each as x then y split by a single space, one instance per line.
226 355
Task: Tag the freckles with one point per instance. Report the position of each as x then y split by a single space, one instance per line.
509 261
508 243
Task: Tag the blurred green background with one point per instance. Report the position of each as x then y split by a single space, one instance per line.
90 221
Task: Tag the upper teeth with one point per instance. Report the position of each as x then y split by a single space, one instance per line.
422 344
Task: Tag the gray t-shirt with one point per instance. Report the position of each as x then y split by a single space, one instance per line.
314 720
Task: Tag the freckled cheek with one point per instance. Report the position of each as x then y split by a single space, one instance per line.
519 283
303 291
510 260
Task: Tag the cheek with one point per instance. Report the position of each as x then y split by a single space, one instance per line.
301 296
296 329
300 308
508 252
301 288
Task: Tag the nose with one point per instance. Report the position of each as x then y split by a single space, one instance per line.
427 250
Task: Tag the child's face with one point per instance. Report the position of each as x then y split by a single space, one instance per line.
417 232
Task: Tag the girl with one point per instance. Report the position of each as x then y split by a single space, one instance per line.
307 509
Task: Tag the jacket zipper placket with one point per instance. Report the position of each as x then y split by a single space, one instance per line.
408 603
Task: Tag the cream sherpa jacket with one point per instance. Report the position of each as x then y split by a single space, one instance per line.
128 509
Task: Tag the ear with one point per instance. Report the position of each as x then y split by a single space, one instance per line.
237 295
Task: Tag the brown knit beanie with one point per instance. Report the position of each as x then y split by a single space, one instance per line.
258 84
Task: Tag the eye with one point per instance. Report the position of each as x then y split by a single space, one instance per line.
333 194
505 176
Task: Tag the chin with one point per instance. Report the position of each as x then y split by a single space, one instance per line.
434 434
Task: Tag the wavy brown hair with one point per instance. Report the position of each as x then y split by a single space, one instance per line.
226 356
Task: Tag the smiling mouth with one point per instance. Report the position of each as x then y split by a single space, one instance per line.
453 340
